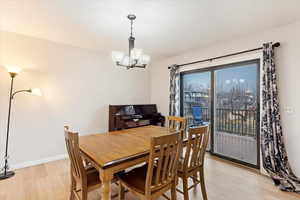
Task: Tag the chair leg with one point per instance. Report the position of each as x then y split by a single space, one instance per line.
73 188
121 192
185 188
202 182
72 196
173 191
84 195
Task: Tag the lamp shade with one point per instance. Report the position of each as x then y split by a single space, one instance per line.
126 61
145 59
117 56
13 69
136 53
36 91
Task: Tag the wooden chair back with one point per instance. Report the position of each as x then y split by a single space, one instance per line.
163 162
177 123
196 147
77 167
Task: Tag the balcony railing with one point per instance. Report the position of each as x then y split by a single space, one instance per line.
234 121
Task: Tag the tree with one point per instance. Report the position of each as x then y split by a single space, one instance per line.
240 98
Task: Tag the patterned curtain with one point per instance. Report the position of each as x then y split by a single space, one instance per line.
174 104
275 160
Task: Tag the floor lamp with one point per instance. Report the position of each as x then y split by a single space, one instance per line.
13 71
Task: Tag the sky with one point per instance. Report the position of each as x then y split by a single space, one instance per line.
226 78
201 79
245 76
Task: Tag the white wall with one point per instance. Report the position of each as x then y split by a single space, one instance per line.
287 60
77 85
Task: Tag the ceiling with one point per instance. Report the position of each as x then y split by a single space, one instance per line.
162 28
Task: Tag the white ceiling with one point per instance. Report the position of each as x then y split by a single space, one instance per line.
163 27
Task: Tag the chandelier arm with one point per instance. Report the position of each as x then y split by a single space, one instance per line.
119 64
131 66
141 66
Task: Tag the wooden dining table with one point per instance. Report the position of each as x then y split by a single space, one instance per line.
116 151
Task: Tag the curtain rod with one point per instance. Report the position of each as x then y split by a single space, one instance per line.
277 44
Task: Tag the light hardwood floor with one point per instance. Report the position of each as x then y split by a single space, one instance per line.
224 181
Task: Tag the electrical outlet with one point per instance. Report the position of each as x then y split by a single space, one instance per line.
289 110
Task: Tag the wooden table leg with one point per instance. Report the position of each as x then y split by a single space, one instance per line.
106 179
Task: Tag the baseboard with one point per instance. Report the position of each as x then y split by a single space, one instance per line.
38 162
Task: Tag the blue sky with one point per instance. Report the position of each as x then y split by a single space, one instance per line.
197 79
245 75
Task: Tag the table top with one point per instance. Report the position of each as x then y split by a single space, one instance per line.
108 149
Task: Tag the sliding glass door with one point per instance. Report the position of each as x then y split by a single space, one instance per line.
228 97
196 93
236 111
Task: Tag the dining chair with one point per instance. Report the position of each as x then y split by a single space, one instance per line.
159 174
177 123
193 161
84 177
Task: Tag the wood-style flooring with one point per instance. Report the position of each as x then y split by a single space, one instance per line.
224 181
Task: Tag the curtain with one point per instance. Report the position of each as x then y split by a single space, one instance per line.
174 103
274 156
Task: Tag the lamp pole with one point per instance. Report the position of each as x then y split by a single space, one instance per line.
6 173
13 71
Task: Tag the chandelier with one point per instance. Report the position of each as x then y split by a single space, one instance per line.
135 56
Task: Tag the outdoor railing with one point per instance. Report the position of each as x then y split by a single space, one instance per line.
235 121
